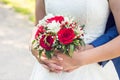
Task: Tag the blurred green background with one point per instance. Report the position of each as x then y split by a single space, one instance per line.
16 59
25 7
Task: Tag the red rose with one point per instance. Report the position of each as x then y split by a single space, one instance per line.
56 18
39 30
66 35
47 45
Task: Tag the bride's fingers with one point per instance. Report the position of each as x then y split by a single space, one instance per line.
46 66
44 60
51 69
79 48
70 69
56 71
55 68
43 54
48 61
41 59
34 52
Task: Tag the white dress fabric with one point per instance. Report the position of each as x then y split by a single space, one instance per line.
92 13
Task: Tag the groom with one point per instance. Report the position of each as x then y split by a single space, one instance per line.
110 33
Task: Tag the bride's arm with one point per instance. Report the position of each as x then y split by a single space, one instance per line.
39 10
105 52
115 8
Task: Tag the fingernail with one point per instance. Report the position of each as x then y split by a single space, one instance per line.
60 67
59 58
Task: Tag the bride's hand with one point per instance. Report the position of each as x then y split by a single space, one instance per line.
70 64
52 64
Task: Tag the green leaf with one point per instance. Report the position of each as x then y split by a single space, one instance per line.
83 26
33 41
63 47
71 50
76 42
49 54
40 53
82 43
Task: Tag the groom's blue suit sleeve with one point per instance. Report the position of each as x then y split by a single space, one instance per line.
106 37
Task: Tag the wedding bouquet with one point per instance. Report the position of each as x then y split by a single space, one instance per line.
58 33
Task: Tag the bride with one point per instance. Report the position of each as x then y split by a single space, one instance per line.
92 13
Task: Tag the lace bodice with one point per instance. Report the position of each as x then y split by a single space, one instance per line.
92 13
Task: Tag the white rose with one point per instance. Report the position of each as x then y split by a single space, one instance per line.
48 16
54 26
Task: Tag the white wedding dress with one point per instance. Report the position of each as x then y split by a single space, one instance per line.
92 13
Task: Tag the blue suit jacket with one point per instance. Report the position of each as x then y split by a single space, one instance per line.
110 33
